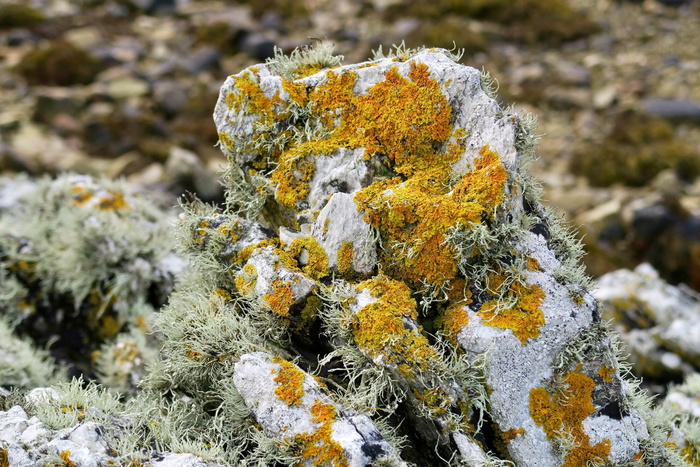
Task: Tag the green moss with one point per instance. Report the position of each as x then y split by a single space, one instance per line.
637 148
58 64
17 15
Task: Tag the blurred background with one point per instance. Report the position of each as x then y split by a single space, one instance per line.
126 88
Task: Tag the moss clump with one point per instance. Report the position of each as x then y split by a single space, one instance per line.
637 148
563 412
17 15
58 64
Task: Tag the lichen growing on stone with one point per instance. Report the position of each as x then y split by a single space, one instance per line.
383 286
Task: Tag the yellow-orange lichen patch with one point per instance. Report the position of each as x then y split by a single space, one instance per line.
382 328
81 195
345 256
292 176
510 435
4 458
415 215
454 319
65 456
298 92
319 447
564 412
249 96
606 373
290 382
280 298
316 265
524 317
113 201
485 185
533 264
246 279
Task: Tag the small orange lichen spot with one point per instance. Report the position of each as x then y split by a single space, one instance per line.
113 202
510 435
346 254
533 264
222 294
326 223
434 399
524 318
606 373
298 92
317 263
4 458
382 327
454 319
249 96
226 141
319 447
564 412
193 355
246 279
691 453
578 299
280 298
65 456
290 379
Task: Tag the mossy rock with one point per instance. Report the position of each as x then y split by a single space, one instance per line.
59 64
637 148
16 15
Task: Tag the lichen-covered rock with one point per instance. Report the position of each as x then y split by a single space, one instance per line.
659 323
382 231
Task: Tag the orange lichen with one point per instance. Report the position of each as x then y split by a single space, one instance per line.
246 279
280 298
533 264
114 201
510 435
65 456
606 373
564 412
381 329
295 170
524 317
202 230
298 92
454 319
436 400
4 458
249 96
345 256
319 447
290 379
316 265
485 185
415 215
